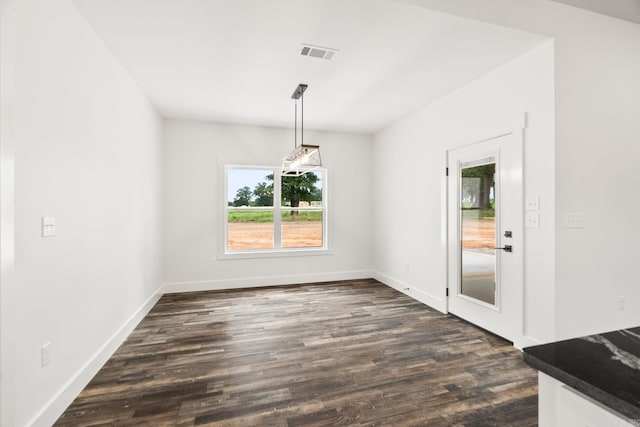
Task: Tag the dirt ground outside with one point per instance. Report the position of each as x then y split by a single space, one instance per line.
478 233
249 235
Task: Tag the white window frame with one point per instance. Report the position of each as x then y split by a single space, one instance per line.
277 250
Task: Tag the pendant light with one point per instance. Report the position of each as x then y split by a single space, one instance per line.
304 157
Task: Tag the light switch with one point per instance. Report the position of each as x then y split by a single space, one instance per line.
532 203
48 226
575 220
532 220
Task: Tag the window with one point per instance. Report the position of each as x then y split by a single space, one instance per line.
266 212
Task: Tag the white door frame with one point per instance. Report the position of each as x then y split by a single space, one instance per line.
515 128
9 20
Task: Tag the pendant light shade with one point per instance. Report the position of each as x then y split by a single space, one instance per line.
304 157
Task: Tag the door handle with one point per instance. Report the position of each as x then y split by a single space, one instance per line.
506 248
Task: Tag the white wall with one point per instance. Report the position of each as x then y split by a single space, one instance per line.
597 63
597 156
87 151
195 155
408 210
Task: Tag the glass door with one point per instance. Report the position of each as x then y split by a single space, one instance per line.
478 230
484 212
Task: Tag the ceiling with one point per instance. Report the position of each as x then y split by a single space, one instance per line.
238 61
629 10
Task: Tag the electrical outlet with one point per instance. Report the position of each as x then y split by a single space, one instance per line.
45 354
532 220
575 220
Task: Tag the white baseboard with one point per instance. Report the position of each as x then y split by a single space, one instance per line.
254 282
61 400
432 301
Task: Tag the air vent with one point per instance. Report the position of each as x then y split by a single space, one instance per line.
318 51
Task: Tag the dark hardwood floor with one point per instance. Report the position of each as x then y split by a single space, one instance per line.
347 353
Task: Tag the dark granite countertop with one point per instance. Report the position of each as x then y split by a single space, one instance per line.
605 367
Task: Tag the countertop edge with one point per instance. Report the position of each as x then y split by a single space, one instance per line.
623 408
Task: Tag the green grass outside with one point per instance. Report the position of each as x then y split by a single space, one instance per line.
251 216
267 216
478 213
302 216
468 211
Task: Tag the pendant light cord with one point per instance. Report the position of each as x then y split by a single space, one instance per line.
298 95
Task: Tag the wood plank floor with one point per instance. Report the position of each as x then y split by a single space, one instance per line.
344 353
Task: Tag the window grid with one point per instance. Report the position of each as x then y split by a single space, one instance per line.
278 210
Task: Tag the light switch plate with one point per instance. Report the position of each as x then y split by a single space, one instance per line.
48 226
532 220
532 203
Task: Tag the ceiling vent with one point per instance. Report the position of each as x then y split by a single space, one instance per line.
318 51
